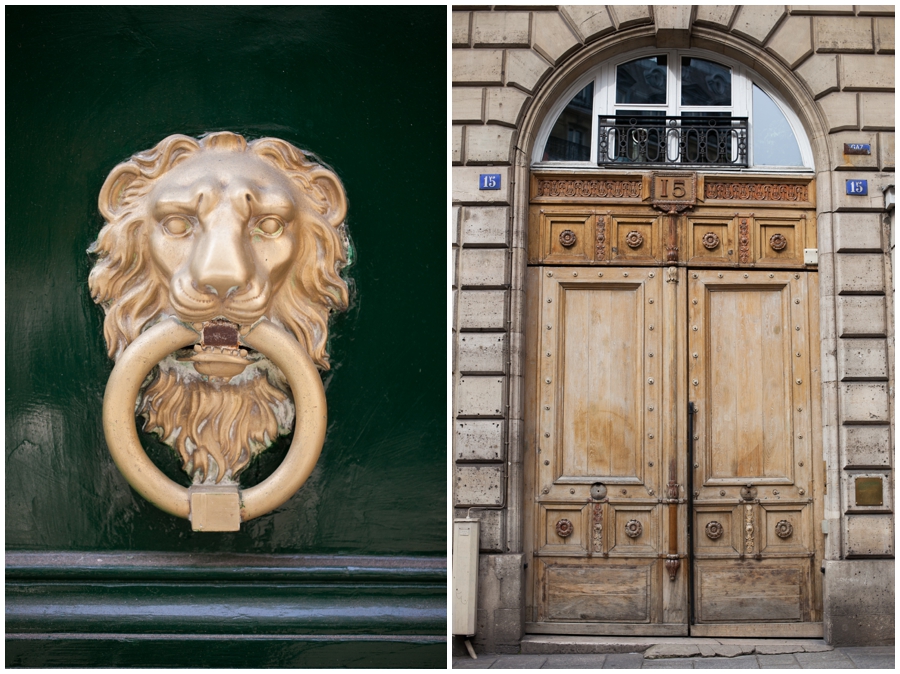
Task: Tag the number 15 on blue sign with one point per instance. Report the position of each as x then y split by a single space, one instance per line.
858 187
489 181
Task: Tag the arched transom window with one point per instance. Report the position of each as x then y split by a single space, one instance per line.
673 108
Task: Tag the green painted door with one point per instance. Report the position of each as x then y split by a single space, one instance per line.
352 570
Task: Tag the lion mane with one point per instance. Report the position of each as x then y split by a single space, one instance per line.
134 296
211 421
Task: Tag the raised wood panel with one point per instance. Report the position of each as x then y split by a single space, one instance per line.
710 239
647 518
745 332
577 225
635 237
599 591
576 543
603 365
779 239
752 591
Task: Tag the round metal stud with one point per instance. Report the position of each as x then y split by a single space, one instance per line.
784 529
801 492
633 529
650 301
547 380
652 275
549 273
694 276
598 491
696 383
721 492
696 355
625 274
650 380
710 241
567 238
547 407
651 327
746 275
771 275
546 463
693 301
796 301
571 491
650 407
564 528
574 273
650 435
546 435
549 300
599 273
714 530
721 276
799 381
549 327
778 242
694 328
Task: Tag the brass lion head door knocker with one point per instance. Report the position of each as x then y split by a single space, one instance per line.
218 267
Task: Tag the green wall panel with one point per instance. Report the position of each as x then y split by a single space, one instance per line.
364 88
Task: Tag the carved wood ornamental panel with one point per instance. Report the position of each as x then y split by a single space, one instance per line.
672 407
672 218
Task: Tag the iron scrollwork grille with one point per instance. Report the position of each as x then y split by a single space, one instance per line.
688 141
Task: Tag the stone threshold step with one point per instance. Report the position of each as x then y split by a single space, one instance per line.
669 647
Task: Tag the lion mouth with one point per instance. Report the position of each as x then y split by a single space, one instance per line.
219 353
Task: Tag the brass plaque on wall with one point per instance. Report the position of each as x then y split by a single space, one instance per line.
869 491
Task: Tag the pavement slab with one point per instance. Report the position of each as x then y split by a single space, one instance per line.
623 661
830 660
520 662
875 657
741 662
593 661
483 662
674 663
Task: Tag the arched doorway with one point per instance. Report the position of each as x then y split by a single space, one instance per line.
672 378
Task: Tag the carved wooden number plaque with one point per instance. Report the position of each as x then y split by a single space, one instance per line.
673 192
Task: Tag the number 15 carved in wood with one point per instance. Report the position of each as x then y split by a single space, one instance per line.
674 188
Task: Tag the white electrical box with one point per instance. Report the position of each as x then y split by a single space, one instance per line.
811 256
465 575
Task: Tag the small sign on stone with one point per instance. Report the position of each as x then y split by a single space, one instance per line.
489 181
859 188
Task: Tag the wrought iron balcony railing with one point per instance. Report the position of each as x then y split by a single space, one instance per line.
702 141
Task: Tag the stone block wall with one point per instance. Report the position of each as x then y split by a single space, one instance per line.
838 68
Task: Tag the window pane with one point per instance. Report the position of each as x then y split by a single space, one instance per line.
570 138
773 141
704 82
642 81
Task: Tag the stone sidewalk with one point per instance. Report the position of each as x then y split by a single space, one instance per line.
866 657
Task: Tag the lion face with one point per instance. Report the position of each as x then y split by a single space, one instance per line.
223 235
220 233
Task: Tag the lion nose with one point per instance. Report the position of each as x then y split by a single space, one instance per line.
221 265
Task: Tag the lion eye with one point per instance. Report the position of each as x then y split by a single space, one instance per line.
177 225
270 226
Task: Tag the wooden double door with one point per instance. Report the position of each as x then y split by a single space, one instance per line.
676 463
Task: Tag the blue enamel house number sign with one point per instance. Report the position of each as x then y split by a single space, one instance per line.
489 181
858 187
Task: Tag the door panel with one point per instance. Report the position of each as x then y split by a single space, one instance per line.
602 530
750 381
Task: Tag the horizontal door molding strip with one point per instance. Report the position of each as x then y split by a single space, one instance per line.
44 566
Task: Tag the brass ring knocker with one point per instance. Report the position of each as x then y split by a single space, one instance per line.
122 390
